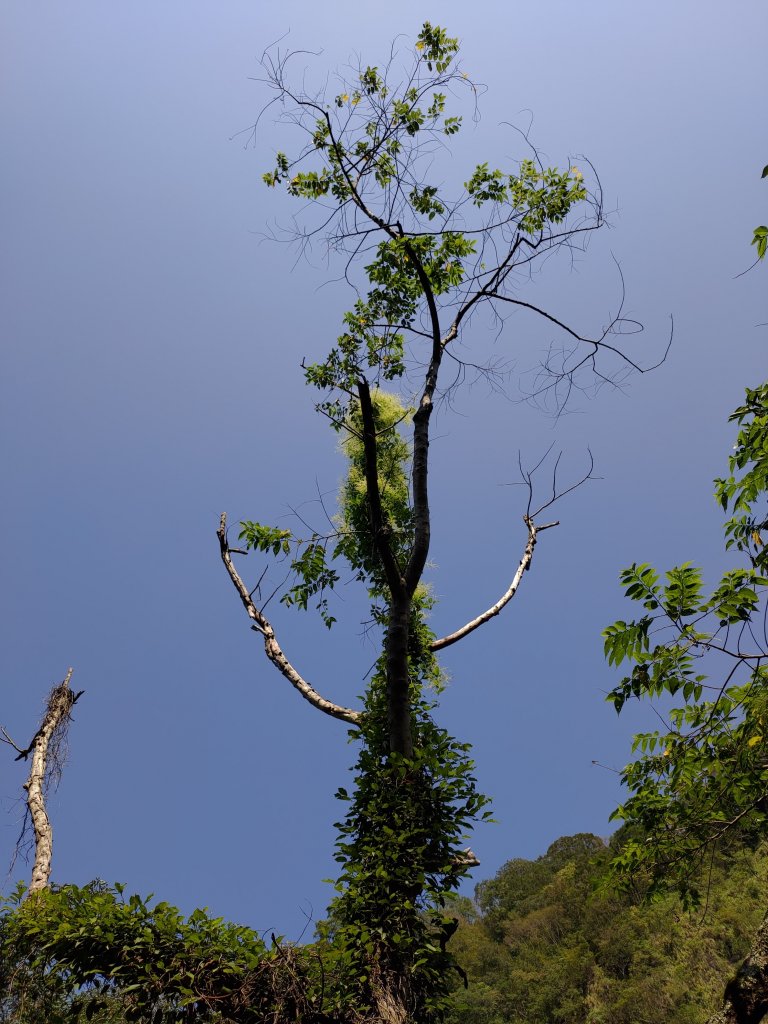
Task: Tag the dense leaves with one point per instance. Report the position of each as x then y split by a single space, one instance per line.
545 942
91 952
744 490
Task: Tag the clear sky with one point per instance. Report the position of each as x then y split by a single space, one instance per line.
151 342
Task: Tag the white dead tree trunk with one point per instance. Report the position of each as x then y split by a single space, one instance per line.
48 752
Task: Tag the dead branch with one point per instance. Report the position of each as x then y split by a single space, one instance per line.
47 748
271 647
466 859
506 597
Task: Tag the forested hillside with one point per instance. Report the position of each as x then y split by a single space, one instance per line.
546 942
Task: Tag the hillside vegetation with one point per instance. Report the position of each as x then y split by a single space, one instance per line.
545 942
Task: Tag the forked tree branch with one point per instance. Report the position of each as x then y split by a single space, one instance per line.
271 647
506 597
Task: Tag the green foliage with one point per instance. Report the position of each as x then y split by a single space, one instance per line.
363 162
547 943
309 566
747 484
760 239
356 543
537 196
436 47
519 880
544 943
400 851
266 538
374 339
312 563
399 843
28 993
92 944
706 772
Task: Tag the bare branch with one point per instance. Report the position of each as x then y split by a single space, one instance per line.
534 529
506 597
5 738
556 494
271 647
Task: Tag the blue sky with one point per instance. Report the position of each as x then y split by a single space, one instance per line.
151 379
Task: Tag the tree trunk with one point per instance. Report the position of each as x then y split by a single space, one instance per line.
746 994
398 679
60 704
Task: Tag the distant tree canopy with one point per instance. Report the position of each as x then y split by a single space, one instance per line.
546 942
518 880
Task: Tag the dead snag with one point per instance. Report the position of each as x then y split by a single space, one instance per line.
48 750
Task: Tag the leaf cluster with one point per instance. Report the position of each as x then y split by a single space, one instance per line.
93 945
400 850
366 169
314 561
538 196
744 491
706 772
760 238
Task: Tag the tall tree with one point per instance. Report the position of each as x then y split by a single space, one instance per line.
424 261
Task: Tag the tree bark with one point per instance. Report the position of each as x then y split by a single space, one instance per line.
506 597
272 648
60 704
746 994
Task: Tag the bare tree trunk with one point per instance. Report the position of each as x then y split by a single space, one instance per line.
746 994
47 748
